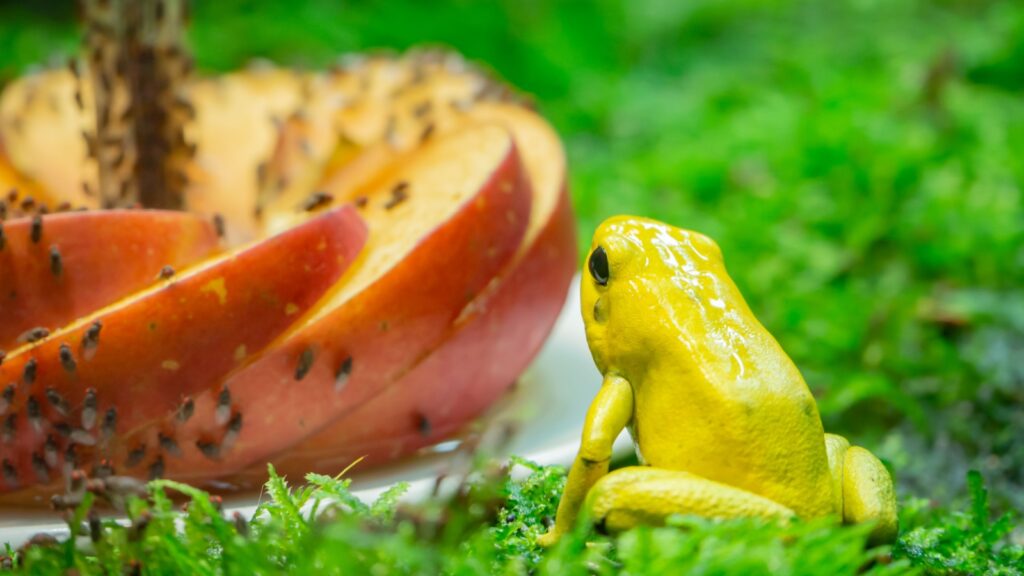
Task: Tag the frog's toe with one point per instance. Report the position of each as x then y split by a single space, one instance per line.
868 494
548 539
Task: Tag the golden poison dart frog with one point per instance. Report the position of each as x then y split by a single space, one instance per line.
723 423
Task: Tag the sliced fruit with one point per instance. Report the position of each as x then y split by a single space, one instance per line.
449 219
463 273
60 267
458 381
69 399
495 338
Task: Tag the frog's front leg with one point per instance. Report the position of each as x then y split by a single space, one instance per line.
607 416
641 495
862 489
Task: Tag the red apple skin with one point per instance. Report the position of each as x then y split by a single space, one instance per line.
483 357
385 329
180 338
104 256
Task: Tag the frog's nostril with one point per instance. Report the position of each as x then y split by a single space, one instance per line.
601 310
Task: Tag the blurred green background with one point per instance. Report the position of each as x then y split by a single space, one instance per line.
861 163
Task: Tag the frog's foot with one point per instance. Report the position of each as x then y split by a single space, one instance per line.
862 488
642 495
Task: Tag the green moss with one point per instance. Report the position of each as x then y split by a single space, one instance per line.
489 527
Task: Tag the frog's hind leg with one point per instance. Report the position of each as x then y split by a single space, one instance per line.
862 489
642 495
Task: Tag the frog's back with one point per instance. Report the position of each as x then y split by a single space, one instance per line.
760 431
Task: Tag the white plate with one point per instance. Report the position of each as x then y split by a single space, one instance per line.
542 419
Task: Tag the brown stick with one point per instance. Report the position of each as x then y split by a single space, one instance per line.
138 66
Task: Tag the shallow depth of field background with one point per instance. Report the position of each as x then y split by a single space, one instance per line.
860 162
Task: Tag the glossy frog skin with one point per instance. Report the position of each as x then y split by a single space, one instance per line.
722 420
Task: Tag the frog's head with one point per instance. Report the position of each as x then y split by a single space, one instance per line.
645 288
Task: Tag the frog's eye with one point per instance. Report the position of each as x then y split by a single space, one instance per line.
599 266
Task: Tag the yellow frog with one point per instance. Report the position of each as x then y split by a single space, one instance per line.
722 421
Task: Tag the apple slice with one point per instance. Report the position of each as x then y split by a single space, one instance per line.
450 217
73 395
496 337
60 267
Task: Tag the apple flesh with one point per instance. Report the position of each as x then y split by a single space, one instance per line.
74 396
360 120
65 266
39 123
16 189
238 119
